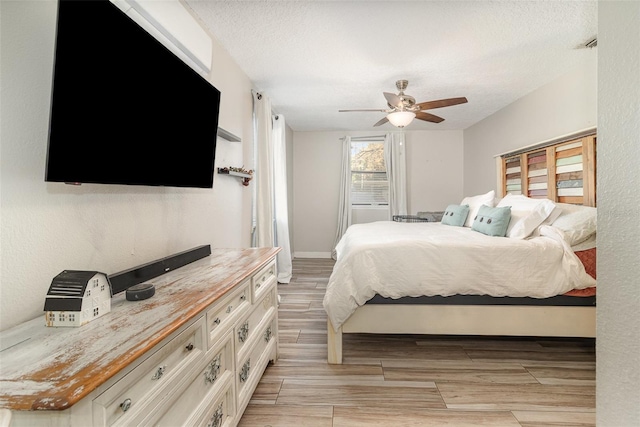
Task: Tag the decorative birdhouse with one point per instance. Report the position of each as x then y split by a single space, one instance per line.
77 297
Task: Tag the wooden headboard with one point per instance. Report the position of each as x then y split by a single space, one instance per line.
561 171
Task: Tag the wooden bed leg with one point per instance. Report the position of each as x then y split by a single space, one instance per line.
334 345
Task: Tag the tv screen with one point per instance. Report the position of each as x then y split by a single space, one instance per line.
125 109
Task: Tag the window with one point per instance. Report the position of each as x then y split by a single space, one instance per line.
369 184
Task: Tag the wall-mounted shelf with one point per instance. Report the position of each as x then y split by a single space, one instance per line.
246 177
225 134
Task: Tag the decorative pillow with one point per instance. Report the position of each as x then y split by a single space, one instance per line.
474 204
527 214
576 221
455 215
492 221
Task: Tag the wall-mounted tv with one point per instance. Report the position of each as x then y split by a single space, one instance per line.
125 109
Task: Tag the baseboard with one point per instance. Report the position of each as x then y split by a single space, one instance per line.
312 254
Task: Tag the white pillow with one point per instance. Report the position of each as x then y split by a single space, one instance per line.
526 214
555 213
578 222
589 243
475 202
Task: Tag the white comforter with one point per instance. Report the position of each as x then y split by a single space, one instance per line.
396 259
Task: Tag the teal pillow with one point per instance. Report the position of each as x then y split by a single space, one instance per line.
492 221
455 215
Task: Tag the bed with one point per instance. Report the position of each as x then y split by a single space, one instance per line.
439 278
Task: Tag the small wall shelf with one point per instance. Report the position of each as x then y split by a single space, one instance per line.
228 135
246 177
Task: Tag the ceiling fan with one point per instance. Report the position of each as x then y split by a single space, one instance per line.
403 108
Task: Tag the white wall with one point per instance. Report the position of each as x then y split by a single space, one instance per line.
434 170
48 227
561 107
316 180
434 180
618 316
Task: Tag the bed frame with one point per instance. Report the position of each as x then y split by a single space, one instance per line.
535 318
441 319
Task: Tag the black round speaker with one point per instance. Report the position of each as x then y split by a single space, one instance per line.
140 291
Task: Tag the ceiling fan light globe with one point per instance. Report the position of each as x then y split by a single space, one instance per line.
401 118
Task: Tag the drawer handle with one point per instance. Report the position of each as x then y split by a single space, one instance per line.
243 332
216 418
267 334
125 405
159 372
212 370
258 285
217 321
189 347
243 297
244 372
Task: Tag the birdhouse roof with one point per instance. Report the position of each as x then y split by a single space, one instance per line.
72 283
70 286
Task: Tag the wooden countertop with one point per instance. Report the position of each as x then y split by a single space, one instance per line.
44 368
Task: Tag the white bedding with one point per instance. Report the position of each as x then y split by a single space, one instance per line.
396 259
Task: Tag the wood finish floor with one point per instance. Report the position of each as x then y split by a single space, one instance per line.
417 380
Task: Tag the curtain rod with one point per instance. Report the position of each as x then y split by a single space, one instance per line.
365 137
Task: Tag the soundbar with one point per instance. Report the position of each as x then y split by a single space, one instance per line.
123 280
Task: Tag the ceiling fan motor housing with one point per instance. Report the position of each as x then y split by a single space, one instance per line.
408 101
402 84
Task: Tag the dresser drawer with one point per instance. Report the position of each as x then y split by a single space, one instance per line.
221 316
221 413
261 281
250 325
211 384
129 400
249 369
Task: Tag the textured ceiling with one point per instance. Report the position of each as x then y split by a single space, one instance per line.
313 58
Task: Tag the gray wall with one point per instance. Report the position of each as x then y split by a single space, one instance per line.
618 344
563 106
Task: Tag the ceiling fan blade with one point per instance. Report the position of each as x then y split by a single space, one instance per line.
373 109
428 117
441 103
393 99
381 121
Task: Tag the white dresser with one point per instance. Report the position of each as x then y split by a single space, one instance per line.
191 355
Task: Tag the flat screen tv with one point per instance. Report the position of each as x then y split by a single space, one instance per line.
125 109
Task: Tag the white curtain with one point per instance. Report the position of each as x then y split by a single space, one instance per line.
270 207
263 205
280 199
395 160
344 207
